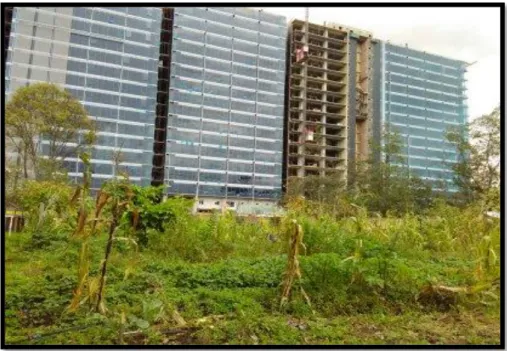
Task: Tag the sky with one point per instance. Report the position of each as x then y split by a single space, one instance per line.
468 34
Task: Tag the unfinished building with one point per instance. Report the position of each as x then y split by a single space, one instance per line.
360 99
317 101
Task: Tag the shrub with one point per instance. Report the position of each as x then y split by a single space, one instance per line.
47 210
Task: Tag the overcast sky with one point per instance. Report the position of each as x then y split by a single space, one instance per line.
468 34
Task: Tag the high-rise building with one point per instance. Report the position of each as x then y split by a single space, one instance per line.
331 116
345 88
422 95
107 58
318 89
193 97
226 106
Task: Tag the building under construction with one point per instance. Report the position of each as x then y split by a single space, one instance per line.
206 100
329 99
360 121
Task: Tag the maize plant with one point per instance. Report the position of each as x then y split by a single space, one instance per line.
292 271
116 196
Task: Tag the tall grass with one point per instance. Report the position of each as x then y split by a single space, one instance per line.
225 264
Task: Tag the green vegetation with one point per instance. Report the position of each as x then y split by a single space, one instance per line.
36 111
383 260
478 146
217 279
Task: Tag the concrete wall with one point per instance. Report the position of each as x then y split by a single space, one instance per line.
351 118
377 89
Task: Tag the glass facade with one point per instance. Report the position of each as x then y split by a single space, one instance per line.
107 58
424 95
226 93
225 121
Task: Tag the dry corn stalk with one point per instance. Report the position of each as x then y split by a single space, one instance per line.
81 221
75 197
292 270
100 202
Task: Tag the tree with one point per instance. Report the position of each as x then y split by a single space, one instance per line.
43 111
380 184
386 184
477 171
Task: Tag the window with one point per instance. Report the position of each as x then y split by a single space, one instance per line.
216 40
79 39
183 174
182 96
241 142
187 85
214 139
218 53
218 28
180 188
244 82
134 49
241 154
186 59
188 34
243 34
187 123
240 179
193 48
218 65
216 114
244 95
189 22
245 46
270 99
245 59
75 80
212 190
106 44
216 102
99 70
240 167
186 110
214 151
75 66
272 41
179 161
103 84
242 118
242 130
216 89
102 98
212 177
213 164
239 192
217 77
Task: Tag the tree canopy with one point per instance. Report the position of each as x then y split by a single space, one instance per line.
477 171
44 111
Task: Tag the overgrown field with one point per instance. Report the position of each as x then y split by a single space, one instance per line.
431 279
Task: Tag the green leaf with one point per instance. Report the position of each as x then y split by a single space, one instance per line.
141 323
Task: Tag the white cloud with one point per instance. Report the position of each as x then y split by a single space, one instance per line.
468 34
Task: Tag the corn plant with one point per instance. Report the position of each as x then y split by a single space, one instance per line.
115 196
118 195
292 270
